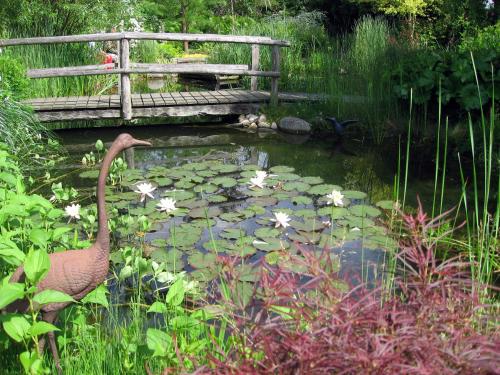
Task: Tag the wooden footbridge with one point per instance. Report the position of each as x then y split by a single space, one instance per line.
127 106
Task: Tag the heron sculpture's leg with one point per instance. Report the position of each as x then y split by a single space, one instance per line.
50 317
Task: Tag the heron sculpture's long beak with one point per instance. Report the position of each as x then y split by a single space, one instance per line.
138 142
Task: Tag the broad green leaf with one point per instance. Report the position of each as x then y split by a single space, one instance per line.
97 296
158 341
16 326
10 253
41 328
52 296
158 307
29 360
36 265
40 237
10 293
175 294
58 232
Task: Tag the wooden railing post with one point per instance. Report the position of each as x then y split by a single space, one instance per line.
274 80
125 92
255 66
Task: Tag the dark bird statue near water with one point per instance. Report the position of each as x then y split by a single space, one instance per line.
78 272
339 127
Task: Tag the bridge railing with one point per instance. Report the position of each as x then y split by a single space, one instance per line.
125 67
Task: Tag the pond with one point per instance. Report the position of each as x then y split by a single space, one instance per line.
207 169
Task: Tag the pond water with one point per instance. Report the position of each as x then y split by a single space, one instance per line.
206 169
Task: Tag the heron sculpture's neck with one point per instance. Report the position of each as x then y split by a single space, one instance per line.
102 240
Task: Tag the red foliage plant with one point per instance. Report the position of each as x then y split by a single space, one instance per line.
430 323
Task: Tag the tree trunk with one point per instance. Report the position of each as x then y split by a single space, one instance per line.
185 25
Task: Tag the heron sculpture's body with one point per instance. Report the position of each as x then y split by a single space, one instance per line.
339 127
78 272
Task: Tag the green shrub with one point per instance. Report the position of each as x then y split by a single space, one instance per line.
168 50
13 80
486 38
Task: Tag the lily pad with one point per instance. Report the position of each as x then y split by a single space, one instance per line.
184 184
263 201
231 216
353 194
364 210
216 198
273 257
323 189
270 244
250 167
246 272
281 169
306 213
179 195
224 168
267 232
206 188
386 205
296 185
288 176
163 181
333 212
204 212
218 246
258 210
171 258
225 182
301 199
192 203
202 260
312 180
232 233
309 225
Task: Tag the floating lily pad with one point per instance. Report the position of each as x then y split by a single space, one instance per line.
204 212
257 192
216 198
305 237
267 232
309 225
206 173
386 205
179 195
171 258
184 184
250 167
179 174
273 257
323 189
224 168
231 216
301 200
281 169
312 180
353 194
248 174
159 242
201 260
243 241
225 182
195 166
270 244
258 210
356 222
263 201
232 233
306 213
296 185
203 223
206 188
364 210
204 274
218 246
333 212
241 251
163 181
288 177
192 203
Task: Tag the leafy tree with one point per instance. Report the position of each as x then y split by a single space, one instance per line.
183 15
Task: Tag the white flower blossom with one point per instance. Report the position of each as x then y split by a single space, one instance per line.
73 211
167 205
281 219
145 189
258 180
355 229
335 197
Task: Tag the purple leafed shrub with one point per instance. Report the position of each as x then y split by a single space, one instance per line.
430 323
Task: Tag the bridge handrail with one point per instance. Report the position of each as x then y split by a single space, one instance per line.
125 67
174 37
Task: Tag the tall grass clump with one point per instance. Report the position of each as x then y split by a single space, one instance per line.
24 135
351 71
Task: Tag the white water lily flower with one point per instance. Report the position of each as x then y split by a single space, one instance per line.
335 197
281 219
261 174
257 242
167 205
257 182
73 211
145 189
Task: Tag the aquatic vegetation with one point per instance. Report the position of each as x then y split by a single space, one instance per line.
281 219
167 205
336 198
316 327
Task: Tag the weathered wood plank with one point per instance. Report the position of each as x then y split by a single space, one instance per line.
88 114
196 110
255 66
215 69
274 81
145 36
125 93
42 73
